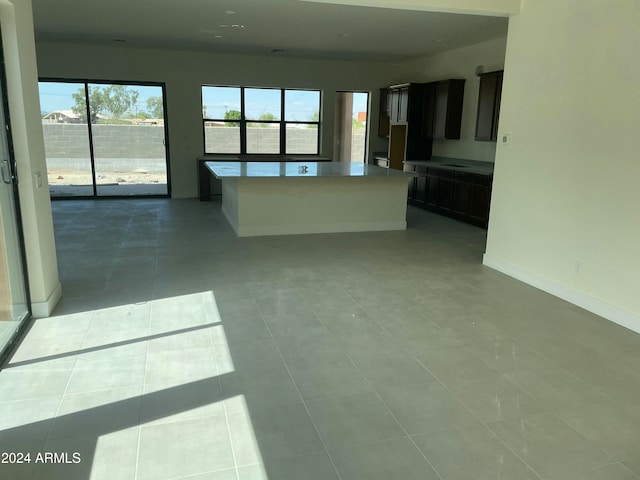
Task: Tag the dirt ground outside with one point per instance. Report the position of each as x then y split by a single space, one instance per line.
57 177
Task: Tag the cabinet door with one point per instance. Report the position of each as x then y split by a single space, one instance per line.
479 204
445 194
431 198
440 110
442 114
383 117
403 104
412 183
395 103
420 197
461 198
428 110
488 106
411 191
496 113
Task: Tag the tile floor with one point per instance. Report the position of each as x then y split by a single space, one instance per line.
180 351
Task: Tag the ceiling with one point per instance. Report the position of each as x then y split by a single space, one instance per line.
262 27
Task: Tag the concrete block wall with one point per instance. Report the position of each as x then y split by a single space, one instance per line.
67 145
267 140
71 140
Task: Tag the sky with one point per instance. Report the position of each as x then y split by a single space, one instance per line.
300 105
57 96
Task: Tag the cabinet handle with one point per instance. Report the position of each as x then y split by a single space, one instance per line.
6 173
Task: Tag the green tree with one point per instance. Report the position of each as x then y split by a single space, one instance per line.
115 101
96 100
232 117
314 118
267 116
155 107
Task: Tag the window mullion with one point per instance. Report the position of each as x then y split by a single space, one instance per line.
243 124
283 133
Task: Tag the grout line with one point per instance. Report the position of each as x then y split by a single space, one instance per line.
146 359
224 407
450 392
295 385
373 390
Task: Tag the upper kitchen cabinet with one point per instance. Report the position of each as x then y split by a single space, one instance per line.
489 106
398 101
442 109
383 116
406 142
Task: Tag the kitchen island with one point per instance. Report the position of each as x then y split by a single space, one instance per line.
281 198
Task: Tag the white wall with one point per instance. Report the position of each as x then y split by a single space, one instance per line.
185 72
24 108
566 189
462 63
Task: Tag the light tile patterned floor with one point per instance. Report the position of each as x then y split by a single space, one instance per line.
181 351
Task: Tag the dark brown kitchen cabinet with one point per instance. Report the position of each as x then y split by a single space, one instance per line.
404 103
392 105
396 102
383 116
442 109
488 106
420 186
412 183
480 200
439 189
431 198
445 191
463 196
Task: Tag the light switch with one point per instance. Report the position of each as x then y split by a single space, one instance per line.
38 179
505 138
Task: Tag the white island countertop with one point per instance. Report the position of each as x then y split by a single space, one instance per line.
300 169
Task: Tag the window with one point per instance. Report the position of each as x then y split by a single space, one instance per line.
239 120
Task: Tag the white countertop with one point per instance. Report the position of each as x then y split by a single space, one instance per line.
455 164
300 169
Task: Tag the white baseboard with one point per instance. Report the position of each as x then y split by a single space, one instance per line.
610 312
44 309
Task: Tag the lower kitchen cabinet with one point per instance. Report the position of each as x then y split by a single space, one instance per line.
445 190
463 196
420 197
411 192
479 203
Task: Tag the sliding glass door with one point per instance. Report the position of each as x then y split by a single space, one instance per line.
104 139
13 295
66 140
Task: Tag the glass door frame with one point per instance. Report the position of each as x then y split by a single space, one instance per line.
8 349
368 124
84 82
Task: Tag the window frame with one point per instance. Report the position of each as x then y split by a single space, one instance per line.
244 121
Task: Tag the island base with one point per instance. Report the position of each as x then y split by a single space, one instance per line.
286 206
